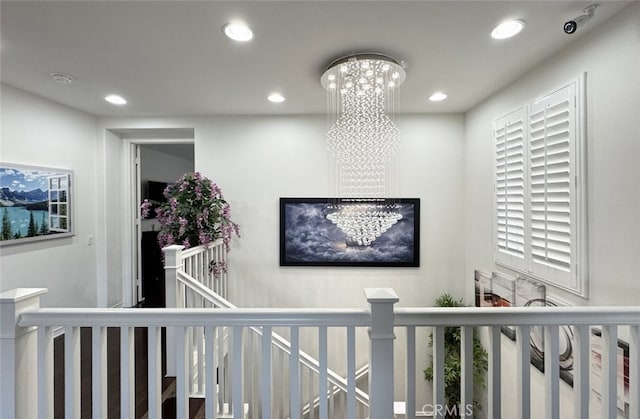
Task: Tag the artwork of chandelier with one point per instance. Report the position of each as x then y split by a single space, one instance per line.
362 96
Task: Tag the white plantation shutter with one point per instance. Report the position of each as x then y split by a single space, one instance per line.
510 188
539 206
552 130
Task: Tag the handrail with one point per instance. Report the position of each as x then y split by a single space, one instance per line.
192 251
153 317
303 317
525 316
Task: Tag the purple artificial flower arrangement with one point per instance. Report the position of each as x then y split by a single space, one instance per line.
195 213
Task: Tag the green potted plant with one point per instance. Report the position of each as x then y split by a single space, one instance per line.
452 361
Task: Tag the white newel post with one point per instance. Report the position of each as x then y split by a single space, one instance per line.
18 354
172 264
381 390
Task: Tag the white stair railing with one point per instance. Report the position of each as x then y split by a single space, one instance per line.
195 285
611 320
197 295
26 364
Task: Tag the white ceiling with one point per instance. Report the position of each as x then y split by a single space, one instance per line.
171 58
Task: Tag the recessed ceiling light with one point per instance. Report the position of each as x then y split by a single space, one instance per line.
115 100
507 29
62 78
238 31
276 98
437 97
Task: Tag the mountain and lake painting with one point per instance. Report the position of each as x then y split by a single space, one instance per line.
35 203
312 233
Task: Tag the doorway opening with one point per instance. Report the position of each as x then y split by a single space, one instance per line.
160 165
153 163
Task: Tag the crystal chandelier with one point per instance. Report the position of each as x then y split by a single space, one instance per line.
362 96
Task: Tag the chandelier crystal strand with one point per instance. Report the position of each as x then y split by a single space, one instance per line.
362 92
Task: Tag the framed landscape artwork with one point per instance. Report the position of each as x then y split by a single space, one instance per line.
35 203
319 232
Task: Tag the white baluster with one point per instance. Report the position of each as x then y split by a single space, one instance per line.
252 369
552 372
222 372
322 376
237 396
438 371
191 369
211 278
127 373
581 387
99 372
332 407
609 372
45 373
294 375
154 375
312 410
634 373
182 373
523 369
466 370
266 370
72 372
410 373
210 408
200 356
495 408
351 372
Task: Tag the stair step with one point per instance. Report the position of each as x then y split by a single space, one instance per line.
227 414
196 408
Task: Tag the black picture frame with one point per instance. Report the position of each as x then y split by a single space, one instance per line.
308 238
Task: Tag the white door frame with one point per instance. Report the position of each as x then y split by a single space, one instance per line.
131 216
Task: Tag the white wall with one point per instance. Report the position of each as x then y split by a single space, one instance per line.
257 160
39 132
110 250
610 55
